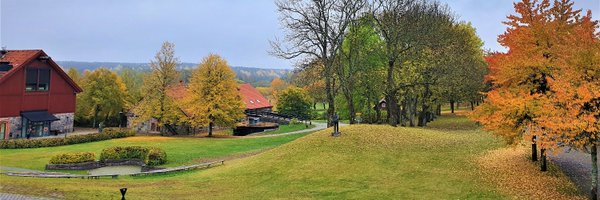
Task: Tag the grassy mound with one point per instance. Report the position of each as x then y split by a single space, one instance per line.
366 162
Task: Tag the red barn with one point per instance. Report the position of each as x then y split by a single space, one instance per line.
36 96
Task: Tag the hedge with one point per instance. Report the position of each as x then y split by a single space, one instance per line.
70 158
150 155
107 134
156 156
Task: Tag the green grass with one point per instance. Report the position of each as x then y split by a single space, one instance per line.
366 162
180 151
288 128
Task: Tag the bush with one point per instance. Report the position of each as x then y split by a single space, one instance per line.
150 155
295 121
108 133
156 156
70 158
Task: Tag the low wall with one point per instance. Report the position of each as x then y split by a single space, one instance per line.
95 164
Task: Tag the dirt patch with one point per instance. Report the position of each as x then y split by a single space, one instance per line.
148 138
514 174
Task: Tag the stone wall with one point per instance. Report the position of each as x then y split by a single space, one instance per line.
95 164
65 124
14 126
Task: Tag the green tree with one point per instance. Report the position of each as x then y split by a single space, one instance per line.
409 29
295 102
104 95
156 103
213 98
464 68
361 58
316 29
133 80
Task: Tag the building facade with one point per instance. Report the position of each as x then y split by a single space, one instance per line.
37 98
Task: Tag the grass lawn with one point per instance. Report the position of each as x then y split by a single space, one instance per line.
180 150
287 128
366 162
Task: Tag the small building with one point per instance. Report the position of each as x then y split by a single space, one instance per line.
37 98
257 107
178 93
255 102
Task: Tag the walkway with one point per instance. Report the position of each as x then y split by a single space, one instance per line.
578 166
16 170
78 131
318 127
6 196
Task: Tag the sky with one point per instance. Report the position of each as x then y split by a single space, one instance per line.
133 30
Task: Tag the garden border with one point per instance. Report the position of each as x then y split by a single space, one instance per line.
114 176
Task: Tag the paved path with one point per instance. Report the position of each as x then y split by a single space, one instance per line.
78 131
318 127
6 196
578 166
14 169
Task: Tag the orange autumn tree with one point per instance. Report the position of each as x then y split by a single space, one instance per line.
536 39
574 114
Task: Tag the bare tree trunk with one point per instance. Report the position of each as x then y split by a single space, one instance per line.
424 116
533 149
210 129
594 189
412 106
452 106
544 165
390 97
472 105
330 99
377 115
350 101
403 116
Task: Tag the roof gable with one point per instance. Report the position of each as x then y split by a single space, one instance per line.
253 98
20 58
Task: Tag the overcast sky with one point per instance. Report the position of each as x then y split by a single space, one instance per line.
133 30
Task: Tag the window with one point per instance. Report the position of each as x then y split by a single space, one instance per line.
37 80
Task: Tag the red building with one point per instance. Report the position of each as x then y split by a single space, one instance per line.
36 96
254 100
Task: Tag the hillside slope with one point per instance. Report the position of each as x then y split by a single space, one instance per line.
367 162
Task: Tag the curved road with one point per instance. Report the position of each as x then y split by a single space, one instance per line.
576 165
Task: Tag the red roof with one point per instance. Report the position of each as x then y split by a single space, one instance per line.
20 58
178 91
252 98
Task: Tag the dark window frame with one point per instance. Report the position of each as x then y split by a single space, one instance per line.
40 84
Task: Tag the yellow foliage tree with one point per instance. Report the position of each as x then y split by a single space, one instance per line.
213 98
156 103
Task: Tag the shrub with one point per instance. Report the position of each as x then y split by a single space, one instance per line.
150 155
295 121
70 158
156 156
108 133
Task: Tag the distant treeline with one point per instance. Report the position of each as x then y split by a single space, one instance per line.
252 75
